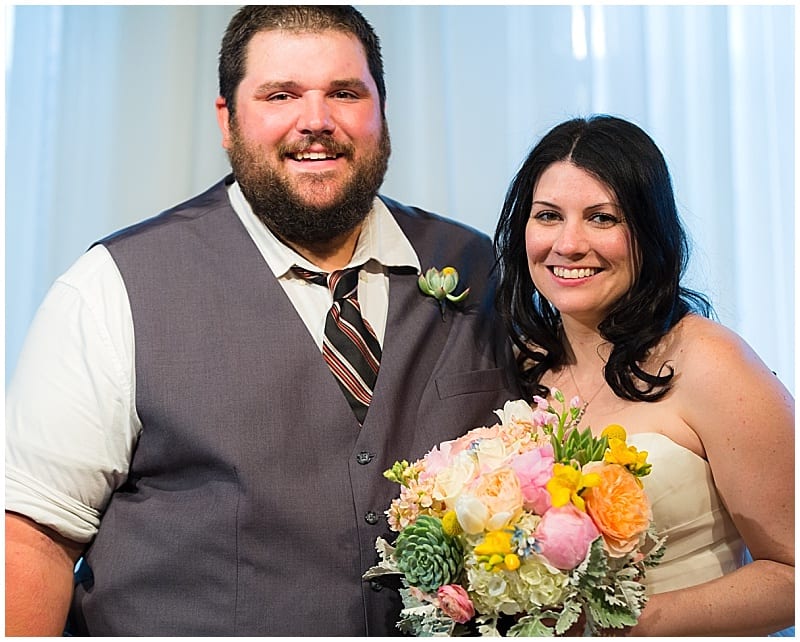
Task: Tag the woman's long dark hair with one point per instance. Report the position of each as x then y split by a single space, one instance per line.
625 159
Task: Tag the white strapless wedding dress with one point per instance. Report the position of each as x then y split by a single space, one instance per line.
702 542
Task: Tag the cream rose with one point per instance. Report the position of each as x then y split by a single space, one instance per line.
451 481
491 502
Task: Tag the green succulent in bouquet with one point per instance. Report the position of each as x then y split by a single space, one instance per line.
427 556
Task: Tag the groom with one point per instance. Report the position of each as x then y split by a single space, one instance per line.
213 473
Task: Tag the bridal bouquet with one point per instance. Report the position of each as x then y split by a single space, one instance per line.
526 528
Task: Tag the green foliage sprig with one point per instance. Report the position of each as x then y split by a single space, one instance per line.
570 444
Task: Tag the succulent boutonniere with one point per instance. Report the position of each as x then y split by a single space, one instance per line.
440 286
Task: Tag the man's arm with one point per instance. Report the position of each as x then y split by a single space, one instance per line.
39 572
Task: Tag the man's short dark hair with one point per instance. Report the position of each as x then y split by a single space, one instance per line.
253 19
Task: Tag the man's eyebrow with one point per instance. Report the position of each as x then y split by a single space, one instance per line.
350 83
276 85
291 85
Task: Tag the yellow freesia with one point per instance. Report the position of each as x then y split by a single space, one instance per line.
495 543
496 552
628 456
567 483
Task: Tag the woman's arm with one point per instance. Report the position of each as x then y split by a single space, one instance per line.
755 600
745 419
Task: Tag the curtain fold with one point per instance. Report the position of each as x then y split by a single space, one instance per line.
110 119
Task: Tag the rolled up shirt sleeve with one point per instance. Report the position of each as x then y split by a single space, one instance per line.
71 423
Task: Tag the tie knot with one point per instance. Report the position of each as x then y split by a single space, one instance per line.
343 284
349 346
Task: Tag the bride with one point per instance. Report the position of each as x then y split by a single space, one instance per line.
591 252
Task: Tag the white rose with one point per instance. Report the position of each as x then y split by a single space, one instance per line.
451 481
491 453
518 411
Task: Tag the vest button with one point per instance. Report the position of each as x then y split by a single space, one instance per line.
371 517
364 457
376 586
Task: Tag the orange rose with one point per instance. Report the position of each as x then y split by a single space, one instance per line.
619 507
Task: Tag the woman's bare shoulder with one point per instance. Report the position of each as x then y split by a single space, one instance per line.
698 344
714 366
713 363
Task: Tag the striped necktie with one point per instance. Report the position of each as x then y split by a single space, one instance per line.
349 346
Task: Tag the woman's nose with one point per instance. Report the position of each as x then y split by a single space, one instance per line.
572 239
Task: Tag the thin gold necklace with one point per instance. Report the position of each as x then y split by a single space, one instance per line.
580 394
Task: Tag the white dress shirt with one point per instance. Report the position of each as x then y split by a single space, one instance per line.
71 420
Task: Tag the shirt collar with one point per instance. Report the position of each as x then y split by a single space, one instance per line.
381 239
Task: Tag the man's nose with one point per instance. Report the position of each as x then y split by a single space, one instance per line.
315 116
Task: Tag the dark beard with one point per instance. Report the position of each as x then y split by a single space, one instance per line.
275 202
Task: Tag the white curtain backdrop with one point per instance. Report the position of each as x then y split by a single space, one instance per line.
110 119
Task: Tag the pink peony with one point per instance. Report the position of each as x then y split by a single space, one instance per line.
455 603
564 536
534 469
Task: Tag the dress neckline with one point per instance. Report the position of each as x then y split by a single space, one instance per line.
647 434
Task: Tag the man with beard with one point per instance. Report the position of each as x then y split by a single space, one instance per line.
173 425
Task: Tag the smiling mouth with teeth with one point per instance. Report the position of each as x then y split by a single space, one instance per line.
574 273
313 156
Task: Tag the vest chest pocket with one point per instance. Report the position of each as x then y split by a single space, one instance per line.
464 383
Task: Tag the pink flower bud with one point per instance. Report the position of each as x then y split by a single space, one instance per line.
455 603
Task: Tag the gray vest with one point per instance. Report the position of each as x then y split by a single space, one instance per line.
254 499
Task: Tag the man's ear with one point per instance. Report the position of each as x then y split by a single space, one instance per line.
224 121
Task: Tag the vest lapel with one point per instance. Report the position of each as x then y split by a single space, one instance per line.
413 341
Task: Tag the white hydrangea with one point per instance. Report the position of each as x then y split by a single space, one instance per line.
491 591
534 584
540 583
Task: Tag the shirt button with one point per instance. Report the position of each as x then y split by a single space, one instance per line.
364 457
371 517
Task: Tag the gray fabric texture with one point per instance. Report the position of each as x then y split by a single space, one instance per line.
248 507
